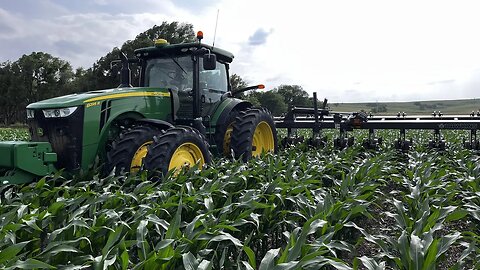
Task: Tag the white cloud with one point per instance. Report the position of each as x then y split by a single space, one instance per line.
380 49
8 24
345 50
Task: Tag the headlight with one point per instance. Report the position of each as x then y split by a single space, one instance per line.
63 112
30 114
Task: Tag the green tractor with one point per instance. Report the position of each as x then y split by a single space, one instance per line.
183 109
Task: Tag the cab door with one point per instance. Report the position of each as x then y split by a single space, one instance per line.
213 84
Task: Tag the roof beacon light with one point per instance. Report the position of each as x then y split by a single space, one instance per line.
199 35
161 42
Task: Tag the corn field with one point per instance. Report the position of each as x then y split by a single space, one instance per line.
302 208
14 134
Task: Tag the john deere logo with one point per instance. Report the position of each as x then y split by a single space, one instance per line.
40 132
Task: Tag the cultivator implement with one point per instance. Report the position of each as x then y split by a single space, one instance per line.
321 118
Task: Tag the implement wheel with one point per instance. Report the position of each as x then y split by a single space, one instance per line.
177 148
130 148
253 133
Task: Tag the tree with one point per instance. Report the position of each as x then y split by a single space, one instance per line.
84 80
31 78
276 100
105 77
44 76
293 95
8 105
237 82
273 101
252 98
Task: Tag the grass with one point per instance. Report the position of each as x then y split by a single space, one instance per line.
463 106
303 208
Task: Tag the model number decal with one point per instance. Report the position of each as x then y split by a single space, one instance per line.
91 104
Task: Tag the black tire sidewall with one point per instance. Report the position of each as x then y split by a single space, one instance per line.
126 145
244 129
220 132
161 151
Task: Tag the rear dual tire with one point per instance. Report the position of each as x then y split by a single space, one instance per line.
253 133
223 135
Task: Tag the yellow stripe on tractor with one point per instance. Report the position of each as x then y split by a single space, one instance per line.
132 94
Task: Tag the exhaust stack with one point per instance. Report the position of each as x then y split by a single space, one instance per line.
125 73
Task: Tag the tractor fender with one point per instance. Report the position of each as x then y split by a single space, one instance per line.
227 106
132 118
156 123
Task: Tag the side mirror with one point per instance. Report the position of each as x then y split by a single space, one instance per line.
209 61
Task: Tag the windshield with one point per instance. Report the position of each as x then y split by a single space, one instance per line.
175 73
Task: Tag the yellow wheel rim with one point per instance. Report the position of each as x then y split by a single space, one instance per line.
138 157
262 139
186 155
226 140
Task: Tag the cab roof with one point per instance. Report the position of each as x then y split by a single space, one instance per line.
182 49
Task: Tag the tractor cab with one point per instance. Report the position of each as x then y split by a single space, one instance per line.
196 74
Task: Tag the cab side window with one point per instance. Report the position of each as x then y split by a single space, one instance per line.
214 80
213 84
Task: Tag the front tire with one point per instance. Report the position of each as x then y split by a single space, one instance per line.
178 147
130 148
254 132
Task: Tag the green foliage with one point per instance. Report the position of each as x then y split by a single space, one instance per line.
102 76
300 209
31 78
279 99
377 107
14 134
294 95
237 82
252 98
272 101
461 106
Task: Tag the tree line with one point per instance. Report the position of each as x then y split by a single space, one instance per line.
40 75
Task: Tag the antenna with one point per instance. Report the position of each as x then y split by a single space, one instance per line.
215 33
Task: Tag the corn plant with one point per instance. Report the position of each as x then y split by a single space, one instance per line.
303 208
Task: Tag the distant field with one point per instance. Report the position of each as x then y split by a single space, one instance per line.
461 106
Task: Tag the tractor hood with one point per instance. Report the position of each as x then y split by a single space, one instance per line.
95 96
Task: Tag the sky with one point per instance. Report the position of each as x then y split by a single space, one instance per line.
346 51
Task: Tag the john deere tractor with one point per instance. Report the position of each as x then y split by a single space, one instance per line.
183 109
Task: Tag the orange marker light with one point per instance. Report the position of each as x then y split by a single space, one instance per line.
199 35
261 86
